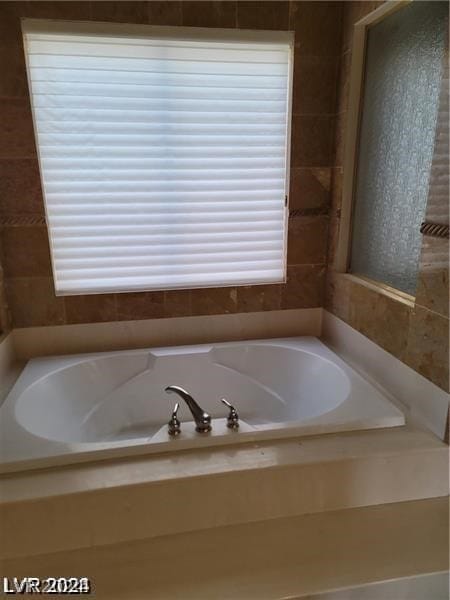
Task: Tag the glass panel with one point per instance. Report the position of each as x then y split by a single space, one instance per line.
399 112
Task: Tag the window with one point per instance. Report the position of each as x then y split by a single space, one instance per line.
403 69
163 154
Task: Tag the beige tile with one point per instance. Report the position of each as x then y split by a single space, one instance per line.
140 305
335 216
305 287
60 10
121 12
311 141
333 239
259 298
433 288
13 81
381 318
32 302
343 85
337 295
177 303
125 335
214 301
314 85
301 557
352 13
10 367
10 11
432 284
91 309
263 15
20 187
317 27
363 308
426 404
209 14
336 189
16 129
26 252
308 553
307 240
310 189
339 139
5 317
418 337
427 350
162 12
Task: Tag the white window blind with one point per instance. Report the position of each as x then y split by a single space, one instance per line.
163 155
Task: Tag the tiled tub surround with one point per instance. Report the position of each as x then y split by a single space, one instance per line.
26 254
415 333
414 330
392 377
115 405
89 503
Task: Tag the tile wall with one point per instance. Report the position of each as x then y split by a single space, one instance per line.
27 269
415 331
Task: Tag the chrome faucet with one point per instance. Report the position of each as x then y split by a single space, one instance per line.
233 417
174 425
202 419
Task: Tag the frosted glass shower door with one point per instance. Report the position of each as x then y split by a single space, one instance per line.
403 68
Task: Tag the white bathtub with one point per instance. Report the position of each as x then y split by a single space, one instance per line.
87 407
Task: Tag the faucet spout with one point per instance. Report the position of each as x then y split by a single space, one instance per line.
202 418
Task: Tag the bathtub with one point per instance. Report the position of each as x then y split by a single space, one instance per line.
94 406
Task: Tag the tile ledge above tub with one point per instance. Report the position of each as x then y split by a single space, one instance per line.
428 405
31 342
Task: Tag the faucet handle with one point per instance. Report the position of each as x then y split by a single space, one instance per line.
233 417
174 425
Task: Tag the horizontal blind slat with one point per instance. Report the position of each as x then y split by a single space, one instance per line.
261 81
181 174
214 39
166 133
116 198
59 163
133 250
130 90
81 264
164 105
157 218
201 140
178 269
135 283
95 152
162 237
209 53
167 185
147 210
157 66
233 223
